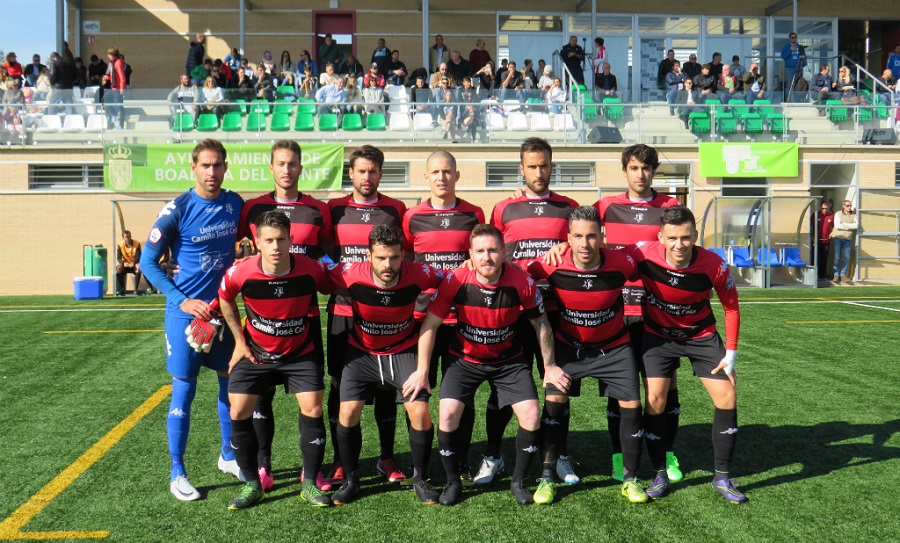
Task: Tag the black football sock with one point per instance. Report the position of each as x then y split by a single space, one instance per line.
334 409
553 420
264 426
632 439
466 428
495 422
243 441
654 432
420 446
312 445
448 449
526 448
724 434
386 418
613 421
673 413
350 440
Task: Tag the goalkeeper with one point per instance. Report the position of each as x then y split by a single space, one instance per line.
199 228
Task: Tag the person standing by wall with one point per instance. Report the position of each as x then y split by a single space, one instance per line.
844 234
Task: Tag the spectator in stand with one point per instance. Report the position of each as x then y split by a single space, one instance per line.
285 69
736 69
42 87
440 93
263 88
306 60
600 57
715 65
332 96
329 52
556 95
528 74
248 70
13 68
794 56
705 84
244 85
513 81
374 74
572 54
691 98
218 72
352 69
233 60
447 118
196 53
128 261
328 76
501 70
373 96
33 71
14 104
354 99
665 66
486 77
755 85
607 84
728 87
201 72
546 80
674 83
438 54
381 56
5 79
396 70
846 83
824 87
420 95
459 67
116 73
268 64
893 63
442 73
308 83
541 65
691 68
61 72
886 87
824 226
184 98
479 56
213 98
80 77
470 119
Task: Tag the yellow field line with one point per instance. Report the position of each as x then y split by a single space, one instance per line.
11 527
841 322
97 331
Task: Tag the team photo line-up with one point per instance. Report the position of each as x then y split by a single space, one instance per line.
618 291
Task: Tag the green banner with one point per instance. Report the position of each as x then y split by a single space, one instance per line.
167 167
749 160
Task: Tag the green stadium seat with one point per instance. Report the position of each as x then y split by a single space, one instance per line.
306 105
739 108
208 122
881 110
753 123
285 92
699 123
352 121
283 106
376 121
612 108
232 122
281 122
184 122
726 123
305 122
778 123
589 111
328 121
835 110
864 114
241 105
260 105
256 121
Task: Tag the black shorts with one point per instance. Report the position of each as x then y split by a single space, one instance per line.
531 345
512 380
364 373
338 337
301 374
662 356
615 369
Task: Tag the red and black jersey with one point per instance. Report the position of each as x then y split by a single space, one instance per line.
277 327
352 222
590 301
310 222
626 222
531 226
487 315
383 316
440 237
677 304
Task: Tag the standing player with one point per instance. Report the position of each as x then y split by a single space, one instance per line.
311 235
531 224
353 217
489 300
382 352
629 218
438 231
591 341
275 346
199 229
679 322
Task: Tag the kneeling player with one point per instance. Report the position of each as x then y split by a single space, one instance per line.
275 346
488 301
591 341
679 322
382 352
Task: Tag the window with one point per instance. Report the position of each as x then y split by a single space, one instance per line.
530 23
65 176
565 174
394 174
745 186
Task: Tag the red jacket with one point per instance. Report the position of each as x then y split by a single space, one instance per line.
825 226
14 69
118 69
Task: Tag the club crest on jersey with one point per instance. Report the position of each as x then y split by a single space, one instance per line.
673 281
445 223
588 283
538 210
366 216
229 209
488 300
386 300
638 217
279 291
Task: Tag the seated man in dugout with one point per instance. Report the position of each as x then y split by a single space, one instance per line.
128 260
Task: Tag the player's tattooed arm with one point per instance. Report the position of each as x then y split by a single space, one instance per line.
233 320
552 373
